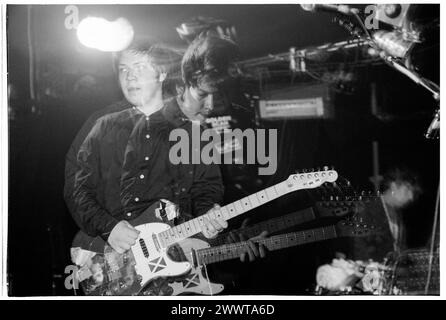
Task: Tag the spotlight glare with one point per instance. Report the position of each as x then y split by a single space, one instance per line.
103 35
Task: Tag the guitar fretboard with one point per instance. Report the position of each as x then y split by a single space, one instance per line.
233 251
272 225
234 209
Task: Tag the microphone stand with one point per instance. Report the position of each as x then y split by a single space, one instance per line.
433 131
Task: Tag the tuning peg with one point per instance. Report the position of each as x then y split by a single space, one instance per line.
326 168
318 168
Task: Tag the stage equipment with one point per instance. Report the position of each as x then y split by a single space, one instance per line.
337 8
189 30
411 274
394 47
297 102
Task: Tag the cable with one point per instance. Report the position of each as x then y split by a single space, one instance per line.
431 251
31 56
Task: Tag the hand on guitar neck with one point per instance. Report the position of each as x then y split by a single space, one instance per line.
253 249
212 227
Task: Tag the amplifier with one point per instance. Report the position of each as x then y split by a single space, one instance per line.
412 273
299 102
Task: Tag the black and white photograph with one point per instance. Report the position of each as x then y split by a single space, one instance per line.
228 149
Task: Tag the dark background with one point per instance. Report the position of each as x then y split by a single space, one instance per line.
40 227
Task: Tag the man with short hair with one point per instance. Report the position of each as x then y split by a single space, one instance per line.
95 199
207 64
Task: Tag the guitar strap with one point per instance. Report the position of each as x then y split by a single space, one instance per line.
167 211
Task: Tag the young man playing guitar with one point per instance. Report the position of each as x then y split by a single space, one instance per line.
95 202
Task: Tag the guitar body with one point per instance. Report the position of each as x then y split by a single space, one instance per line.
107 272
195 282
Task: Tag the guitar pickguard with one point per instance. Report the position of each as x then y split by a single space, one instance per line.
195 282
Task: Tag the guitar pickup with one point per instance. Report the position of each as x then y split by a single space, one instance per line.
144 248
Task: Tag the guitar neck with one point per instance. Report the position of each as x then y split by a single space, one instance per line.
271 226
233 251
232 210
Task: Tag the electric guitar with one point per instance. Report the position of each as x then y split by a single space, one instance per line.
111 273
198 283
201 254
376 208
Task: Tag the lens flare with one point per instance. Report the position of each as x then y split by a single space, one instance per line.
104 35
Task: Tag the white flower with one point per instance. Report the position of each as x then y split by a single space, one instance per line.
338 276
371 281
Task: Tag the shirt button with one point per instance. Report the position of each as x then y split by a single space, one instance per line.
146 158
129 214
191 172
141 176
147 136
136 199
147 118
183 189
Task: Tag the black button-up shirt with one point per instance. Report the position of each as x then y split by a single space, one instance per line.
71 164
124 167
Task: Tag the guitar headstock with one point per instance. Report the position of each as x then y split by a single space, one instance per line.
311 179
354 227
337 206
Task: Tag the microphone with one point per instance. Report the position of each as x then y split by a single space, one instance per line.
340 8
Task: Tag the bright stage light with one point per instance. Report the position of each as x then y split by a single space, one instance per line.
104 35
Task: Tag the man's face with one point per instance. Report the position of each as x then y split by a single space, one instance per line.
199 102
138 79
